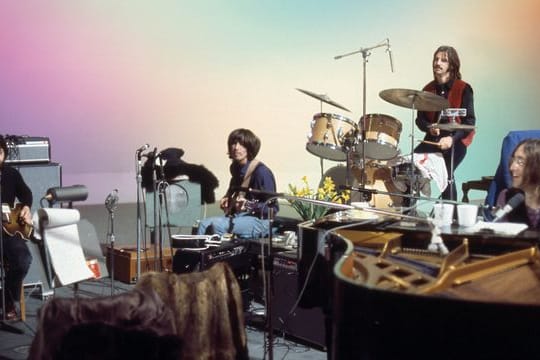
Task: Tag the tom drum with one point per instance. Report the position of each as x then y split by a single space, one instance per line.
328 135
382 134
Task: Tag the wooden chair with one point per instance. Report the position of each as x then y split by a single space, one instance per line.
482 184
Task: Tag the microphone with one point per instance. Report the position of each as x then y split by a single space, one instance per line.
389 51
143 148
514 202
111 202
68 193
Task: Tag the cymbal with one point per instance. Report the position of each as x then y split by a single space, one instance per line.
452 126
419 100
323 98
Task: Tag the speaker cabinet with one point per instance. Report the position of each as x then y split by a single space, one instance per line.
304 325
40 177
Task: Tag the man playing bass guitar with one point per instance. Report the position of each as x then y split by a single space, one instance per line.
245 212
17 257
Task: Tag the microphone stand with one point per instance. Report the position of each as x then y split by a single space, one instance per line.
4 325
111 207
365 53
139 222
270 286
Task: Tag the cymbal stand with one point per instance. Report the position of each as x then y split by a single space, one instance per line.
365 53
412 176
349 145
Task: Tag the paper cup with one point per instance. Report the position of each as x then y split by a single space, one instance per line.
443 213
467 214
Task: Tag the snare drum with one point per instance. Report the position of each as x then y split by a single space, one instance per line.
328 135
382 136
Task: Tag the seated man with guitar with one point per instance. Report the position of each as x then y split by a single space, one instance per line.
246 211
16 226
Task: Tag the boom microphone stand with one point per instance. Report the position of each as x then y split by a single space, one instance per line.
4 325
365 53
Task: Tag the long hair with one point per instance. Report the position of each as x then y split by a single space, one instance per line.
4 147
453 60
531 175
247 139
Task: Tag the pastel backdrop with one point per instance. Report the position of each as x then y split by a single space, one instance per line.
101 78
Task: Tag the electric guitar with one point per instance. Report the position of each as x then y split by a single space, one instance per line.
13 223
234 199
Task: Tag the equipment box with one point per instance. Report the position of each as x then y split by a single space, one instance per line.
125 262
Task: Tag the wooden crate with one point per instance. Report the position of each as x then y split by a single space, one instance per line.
125 262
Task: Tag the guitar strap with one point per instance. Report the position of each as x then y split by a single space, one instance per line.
247 177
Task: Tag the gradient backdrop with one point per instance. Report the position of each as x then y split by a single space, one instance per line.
101 78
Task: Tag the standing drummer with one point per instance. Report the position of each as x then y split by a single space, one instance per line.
448 84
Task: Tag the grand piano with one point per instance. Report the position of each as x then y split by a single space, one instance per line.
386 296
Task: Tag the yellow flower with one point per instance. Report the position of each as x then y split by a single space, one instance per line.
325 193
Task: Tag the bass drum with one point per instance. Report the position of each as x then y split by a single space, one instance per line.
377 177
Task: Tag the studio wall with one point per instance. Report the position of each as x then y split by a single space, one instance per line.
101 78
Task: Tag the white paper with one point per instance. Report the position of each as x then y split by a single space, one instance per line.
64 246
503 228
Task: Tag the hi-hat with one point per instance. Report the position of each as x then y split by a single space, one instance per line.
453 126
415 99
323 98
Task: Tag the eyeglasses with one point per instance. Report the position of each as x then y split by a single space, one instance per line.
518 161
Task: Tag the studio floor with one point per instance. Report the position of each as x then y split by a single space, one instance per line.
16 346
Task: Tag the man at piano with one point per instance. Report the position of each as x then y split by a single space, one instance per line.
17 258
523 198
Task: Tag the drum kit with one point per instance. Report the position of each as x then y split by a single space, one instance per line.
370 148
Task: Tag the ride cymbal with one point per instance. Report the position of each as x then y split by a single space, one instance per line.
323 98
415 99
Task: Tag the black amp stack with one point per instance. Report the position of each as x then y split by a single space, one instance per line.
31 155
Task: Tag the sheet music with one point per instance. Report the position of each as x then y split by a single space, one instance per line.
503 228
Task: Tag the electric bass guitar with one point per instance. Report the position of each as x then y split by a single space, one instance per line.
13 223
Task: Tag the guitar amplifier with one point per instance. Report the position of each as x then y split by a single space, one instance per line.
125 261
303 325
235 254
28 150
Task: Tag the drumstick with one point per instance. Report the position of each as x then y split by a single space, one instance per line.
430 142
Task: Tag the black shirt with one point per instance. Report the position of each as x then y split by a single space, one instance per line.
14 187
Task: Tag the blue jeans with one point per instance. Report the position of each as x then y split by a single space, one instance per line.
245 226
